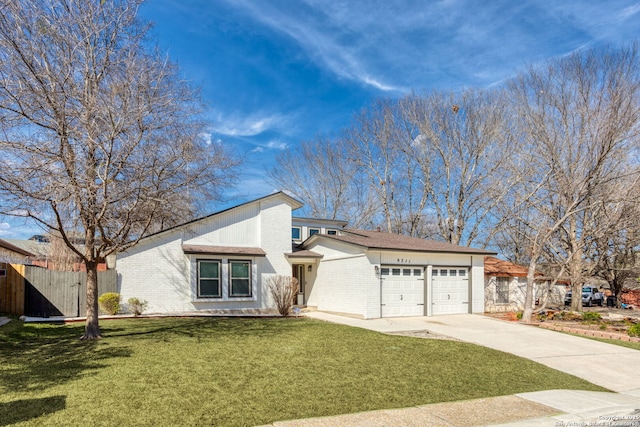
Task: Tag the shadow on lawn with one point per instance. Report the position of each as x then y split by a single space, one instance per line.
27 409
210 327
38 357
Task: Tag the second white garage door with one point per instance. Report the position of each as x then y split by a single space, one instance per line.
402 291
450 290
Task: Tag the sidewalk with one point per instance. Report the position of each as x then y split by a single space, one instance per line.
578 356
552 408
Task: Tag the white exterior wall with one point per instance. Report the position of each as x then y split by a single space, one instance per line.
343 280
159 272
477 284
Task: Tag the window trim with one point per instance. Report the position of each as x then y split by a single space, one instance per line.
299 232
313 231
332 232
249 278
219 278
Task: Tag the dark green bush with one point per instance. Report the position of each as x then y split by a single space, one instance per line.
634 331
591 316
109 302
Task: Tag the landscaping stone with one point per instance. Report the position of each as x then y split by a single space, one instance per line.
589 332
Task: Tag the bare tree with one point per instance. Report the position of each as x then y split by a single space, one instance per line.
60 256
376 140
320 174
579 122
461 150
98 132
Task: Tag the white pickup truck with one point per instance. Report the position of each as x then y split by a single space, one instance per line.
590 296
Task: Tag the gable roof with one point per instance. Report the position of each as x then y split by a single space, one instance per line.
396 242
501 268
6 245
295 204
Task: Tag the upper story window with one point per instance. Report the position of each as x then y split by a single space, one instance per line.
313 231
296 233
332 232
209 279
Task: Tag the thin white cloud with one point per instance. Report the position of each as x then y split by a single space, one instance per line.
254 124
270 145
397 45
325 38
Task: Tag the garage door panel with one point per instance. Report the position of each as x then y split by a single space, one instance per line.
402 291
450 290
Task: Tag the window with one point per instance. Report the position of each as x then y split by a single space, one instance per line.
434 272
296 232
462 273
313 231
384 271
443 273
240 278
209 279
395 271
453 273
406 272
502 290
332 232
417 272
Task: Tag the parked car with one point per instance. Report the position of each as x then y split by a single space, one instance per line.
590 296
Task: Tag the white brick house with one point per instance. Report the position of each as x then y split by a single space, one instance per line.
506 286
221 264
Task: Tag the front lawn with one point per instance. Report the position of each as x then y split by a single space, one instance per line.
241 372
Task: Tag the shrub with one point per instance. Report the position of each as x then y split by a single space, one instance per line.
136 306
109 302
591 316
569 315
634 331
283 290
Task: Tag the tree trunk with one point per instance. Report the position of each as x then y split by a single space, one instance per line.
528 299
92 329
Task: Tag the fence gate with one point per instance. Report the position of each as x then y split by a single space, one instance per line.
12 288
61 293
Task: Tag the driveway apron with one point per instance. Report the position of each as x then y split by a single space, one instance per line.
607 365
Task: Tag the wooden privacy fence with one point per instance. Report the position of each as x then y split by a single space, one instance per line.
12 288
36 291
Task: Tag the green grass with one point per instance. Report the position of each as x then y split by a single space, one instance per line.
237 372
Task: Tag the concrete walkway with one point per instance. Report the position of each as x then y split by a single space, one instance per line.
614 367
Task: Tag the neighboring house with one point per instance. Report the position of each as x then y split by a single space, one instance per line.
505 286
222 263
10 253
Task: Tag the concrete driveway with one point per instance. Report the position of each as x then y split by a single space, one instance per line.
607 365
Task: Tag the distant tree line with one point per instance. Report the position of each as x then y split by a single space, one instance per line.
543 168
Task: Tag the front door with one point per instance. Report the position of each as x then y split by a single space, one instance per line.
298 273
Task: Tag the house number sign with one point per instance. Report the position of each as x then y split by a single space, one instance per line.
403 261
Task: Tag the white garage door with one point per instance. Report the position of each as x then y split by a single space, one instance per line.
402 291
450 290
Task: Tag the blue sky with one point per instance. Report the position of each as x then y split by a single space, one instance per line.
279 72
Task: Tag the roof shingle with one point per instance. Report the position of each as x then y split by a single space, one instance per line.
398 242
